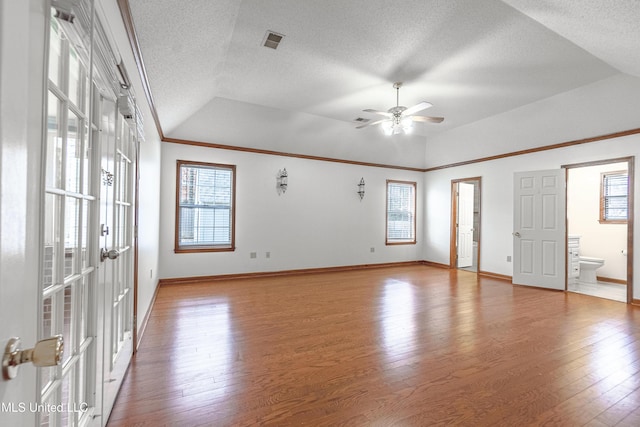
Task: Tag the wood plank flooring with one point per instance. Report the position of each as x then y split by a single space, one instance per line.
405 346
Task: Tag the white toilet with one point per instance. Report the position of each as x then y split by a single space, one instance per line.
588 267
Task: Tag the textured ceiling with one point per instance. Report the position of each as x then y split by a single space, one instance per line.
471 59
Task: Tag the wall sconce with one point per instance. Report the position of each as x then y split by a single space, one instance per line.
361 188
282 180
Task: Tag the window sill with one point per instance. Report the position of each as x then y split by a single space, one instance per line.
189 250
613 221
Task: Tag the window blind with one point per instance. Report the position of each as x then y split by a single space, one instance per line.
205 206
614 192
400 212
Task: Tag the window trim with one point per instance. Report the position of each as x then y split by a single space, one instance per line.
603 219
205 248
413 240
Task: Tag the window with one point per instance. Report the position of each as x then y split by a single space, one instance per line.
613 197
401 212
205 207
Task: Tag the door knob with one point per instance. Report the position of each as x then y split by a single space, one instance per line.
46 352
517 234
112 254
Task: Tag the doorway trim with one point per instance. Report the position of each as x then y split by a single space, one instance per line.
630 220
453 242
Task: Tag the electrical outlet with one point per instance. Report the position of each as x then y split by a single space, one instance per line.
253 255
508 258
267 254
151 273
372 250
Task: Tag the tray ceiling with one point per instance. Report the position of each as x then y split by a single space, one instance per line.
471 59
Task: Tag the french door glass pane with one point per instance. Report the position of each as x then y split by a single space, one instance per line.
121 226
75 78
68 318
82 295
46 416
122 274
86 164
81 399
84 236
74 153
67 398
87 94
54 143
47 374
122 187
51 232
55 53
71 235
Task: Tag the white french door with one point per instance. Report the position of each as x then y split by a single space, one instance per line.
115 279
87 289
539 229
69 244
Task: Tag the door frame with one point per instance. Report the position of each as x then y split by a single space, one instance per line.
630 220
136 218
453 242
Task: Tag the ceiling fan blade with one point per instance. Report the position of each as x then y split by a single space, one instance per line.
381 113
371 123
418 107
427 119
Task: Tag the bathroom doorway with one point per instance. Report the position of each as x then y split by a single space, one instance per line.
600 228
465 224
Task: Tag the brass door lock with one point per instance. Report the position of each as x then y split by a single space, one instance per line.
47 352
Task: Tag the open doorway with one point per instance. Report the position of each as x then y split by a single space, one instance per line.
465 224
600 228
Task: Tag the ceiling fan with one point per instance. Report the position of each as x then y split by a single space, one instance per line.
400 119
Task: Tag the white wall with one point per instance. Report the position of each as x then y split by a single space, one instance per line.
149 184
606 241
606 106
319 222
148 224
497 199
227 122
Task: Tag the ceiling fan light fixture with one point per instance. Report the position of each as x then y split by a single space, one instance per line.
407 124
387 127
400 119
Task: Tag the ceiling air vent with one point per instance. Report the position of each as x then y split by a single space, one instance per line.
361 120
272 39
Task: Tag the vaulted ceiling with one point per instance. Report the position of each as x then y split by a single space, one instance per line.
207 66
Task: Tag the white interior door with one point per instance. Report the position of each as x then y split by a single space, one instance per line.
465 224
116 265
539 229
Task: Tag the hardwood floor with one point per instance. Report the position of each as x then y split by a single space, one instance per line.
409 346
